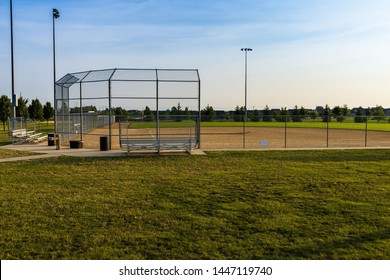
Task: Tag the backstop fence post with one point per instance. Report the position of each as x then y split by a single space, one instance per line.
327 130
109 115
157 114
366 133
285 132
81 113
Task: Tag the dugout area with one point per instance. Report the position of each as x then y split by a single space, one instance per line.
132 108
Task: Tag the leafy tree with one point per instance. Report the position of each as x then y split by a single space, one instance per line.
148 115
359 118
187 113
5 109
176 112
48 111
337 113
368 111
313 114
326 115
340 113
35 110
255 116
239 114
345 111
379 113
283 115
267 114
167 114
22 108
90 108
120 113
208 113
298 115
86 109
75 110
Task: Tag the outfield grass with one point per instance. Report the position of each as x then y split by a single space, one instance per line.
372 125
231 205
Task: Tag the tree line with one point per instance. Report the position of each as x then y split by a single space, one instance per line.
33 111
176 113
296 114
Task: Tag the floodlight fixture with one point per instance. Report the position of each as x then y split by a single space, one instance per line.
56 13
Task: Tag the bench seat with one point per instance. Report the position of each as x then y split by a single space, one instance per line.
158 145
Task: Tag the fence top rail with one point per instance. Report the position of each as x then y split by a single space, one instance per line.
130 74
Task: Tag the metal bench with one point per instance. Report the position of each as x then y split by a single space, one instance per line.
40 139
22 136
138 144
176 144
36 138
158 145
18 133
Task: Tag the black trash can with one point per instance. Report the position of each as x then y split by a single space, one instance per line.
75 144
51 139
103 143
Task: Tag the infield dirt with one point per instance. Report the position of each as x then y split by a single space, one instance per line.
215 138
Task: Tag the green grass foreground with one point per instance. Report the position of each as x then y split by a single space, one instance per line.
4 138
5 153
230 205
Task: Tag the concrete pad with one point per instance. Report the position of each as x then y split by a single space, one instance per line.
46 151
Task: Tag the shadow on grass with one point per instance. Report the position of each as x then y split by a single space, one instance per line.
335 249
366 155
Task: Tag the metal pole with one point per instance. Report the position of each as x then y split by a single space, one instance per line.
285 131
157 115
109 114
81 132
12 70
327 131
56 14
246 84
198 122
246 81
366 133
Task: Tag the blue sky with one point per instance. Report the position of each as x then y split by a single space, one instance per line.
305 53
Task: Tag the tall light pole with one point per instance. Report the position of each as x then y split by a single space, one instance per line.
246 50
56 14
12 68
